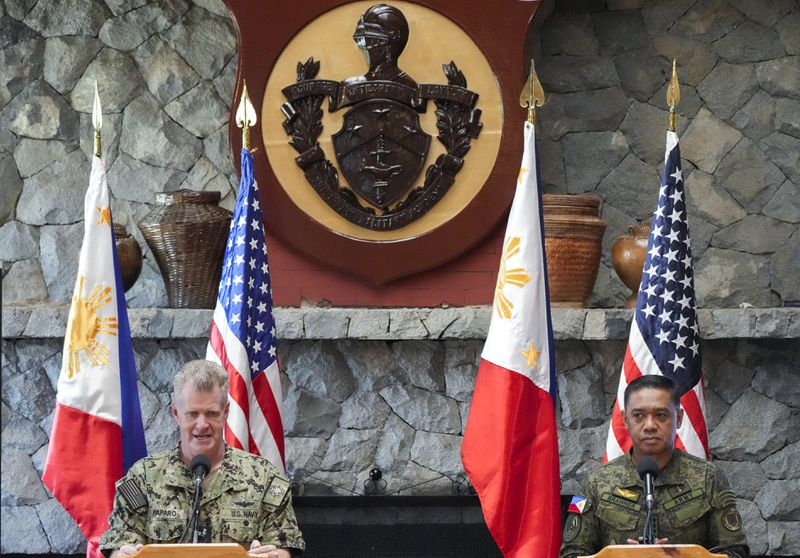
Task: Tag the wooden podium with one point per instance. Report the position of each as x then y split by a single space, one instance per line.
655 551
212 550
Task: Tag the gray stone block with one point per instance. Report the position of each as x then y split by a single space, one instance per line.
632 187
307 414
640 72
783 464
754 526
407 323
191 323
304 456
55 195
660 15
59 272
756 119
22 63
206 41
708 20
39 112
371 363
576 447
22 519
161 369
707 140
12 187
710 201
13 32
750 42
129 30
162 432
755 234
780 499
619 32
437 321
638 128
133 180
749 176
20 482
783 538
422 361
438 452
149 403
590 156
745 477
422 409
728 87
33 155
783 266
768 13
730 381
166 74
779 381
394 446
695 59
226 80
737 438
368 324
320 369
24 284
364 410
569 34
780 77
23 435
66 59
350 450
461 368
117 81
72 17
199 110
725 278
289 323
580 392
325 323
787 116
787 30
62 532
568 323
15 319
587 111
112 128
551 165
324 483
473 323
568 74
217 150
118 7
151 136
715 409
417 480
784 151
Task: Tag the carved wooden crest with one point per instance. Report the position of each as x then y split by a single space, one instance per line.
359 172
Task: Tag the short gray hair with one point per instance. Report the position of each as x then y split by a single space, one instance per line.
203 375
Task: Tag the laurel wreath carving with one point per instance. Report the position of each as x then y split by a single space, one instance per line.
456 123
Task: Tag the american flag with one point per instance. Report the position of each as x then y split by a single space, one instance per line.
243 331
664 336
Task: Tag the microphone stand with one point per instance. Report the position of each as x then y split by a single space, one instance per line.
649 532
195 518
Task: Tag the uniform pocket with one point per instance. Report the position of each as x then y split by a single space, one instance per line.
242 531
165 530
688 513
617 517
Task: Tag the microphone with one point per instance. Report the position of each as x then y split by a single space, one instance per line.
648 471
200 467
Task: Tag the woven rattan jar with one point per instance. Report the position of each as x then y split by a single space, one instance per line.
573 238
187 231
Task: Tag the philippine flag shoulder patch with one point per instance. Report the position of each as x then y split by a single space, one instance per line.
577 505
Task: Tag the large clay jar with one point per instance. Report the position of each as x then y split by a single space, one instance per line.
187 232
627 255
573 238
129 254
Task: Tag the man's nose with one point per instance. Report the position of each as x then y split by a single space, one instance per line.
649 423
201 423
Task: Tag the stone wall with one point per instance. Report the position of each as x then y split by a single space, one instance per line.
391 389
398 399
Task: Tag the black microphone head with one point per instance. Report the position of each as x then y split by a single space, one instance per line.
647 466
200 466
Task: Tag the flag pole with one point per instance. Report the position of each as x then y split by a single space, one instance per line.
673 95
97 121
245 117
532 95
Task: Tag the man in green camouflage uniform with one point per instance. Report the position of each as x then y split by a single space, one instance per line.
246 500
694 504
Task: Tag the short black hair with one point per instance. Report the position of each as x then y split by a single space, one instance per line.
654 381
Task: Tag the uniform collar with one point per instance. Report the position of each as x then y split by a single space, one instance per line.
227 477
671 474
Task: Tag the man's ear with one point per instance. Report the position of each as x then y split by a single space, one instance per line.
680 418
174 412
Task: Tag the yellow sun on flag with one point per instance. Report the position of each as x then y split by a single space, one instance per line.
532 356
508 276
105 215
85 325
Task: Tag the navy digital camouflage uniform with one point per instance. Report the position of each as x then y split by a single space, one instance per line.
694 505
248 499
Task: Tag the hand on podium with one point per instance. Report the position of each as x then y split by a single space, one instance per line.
268 550
127 550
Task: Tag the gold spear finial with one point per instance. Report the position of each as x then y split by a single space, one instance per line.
245 117
97 121
673 95
532 95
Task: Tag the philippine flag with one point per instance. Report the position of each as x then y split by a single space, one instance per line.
510 447
97 430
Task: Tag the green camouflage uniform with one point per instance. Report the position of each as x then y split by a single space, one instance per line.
694 505
248 499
